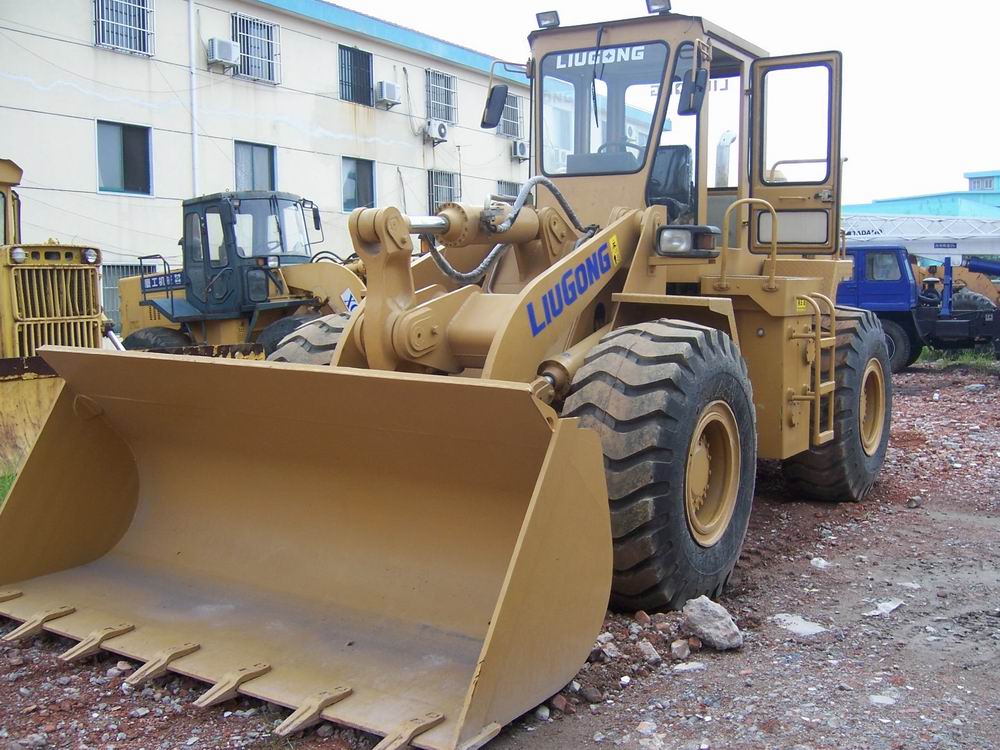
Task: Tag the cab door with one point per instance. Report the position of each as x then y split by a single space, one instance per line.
795 164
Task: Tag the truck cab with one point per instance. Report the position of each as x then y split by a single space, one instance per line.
882 282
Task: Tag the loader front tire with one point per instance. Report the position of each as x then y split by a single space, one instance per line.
313 342
672 404
155 337
280 329
845 468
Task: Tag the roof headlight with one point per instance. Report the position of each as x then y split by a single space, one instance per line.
17 255
90 256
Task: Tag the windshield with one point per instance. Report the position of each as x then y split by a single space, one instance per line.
625 83
270 226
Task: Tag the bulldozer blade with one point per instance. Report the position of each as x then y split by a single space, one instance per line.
375 549
28 389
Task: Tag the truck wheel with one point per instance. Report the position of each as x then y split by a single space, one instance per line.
846 467
672 404
897 341
312 343
966 299
916 349
156 337
273 334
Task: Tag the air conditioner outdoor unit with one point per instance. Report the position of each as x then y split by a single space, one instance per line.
223 52
436 131
630 133
387 94
519 150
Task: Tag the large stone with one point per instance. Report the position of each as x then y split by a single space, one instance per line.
649 653
712 623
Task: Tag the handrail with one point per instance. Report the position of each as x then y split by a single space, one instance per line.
771 285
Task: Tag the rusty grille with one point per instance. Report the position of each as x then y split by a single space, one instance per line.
30 336
47 292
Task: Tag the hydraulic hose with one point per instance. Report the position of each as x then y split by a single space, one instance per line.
473 276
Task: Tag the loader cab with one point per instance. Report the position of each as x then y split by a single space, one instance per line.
675 111
233 243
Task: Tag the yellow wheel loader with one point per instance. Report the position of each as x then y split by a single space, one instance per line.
49 294
557 404
249 277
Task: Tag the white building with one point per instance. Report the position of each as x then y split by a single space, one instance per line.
116 114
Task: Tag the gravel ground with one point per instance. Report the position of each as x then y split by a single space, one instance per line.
903 592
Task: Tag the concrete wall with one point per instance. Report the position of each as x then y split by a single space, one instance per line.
55 84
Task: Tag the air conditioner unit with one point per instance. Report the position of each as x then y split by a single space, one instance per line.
387 94
223 52
519 150
630 133
436 131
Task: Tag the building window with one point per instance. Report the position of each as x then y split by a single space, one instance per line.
254 166
981 183
441 96
508 189
260 49
356 76
511 124
359 183
443 187
123 158
125 25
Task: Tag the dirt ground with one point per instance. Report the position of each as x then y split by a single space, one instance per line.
905 587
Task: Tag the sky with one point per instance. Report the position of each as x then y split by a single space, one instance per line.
921 101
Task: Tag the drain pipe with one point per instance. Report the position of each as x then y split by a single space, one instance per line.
193 80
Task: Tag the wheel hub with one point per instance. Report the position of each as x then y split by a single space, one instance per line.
712 474
871 409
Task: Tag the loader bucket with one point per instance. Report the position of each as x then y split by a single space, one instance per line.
420 557
28 389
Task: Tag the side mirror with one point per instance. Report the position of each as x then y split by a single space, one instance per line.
495 102
693 90
317 221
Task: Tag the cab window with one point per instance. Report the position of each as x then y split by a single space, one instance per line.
216 238
192 236
883 267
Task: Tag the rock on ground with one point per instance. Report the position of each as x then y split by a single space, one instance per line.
712 623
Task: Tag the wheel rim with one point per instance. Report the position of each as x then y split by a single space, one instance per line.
871 416
890 345
711 483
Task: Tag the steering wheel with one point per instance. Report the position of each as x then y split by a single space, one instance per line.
603 148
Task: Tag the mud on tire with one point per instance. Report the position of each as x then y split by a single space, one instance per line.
644 389
312 343
843 470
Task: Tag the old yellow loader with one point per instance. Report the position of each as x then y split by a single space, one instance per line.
49 294
558 404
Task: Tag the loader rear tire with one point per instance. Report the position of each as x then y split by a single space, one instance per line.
965 300
846 468
312 343
673 406
155 337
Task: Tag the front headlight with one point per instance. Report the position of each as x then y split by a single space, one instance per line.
89 256
673 242
17 255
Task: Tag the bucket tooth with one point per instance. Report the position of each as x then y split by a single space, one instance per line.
229 685
160 663
34 624
6 596
404 734
92 643
310 712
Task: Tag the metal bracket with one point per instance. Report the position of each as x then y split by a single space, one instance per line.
310 712
229 685
34 624
158 665
92 643
403 734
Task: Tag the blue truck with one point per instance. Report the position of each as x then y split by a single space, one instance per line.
917 316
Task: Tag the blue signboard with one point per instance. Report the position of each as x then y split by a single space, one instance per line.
163 282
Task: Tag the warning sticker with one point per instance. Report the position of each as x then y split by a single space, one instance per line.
800 305
616 256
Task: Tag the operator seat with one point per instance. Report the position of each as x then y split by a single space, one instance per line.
671 182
